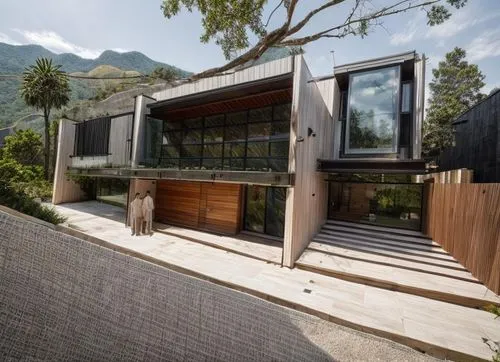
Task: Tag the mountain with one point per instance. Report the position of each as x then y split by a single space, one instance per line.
15 58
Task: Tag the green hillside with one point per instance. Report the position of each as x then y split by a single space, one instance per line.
14 59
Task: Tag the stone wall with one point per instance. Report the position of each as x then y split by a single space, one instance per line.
63 298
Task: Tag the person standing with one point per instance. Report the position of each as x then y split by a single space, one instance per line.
147 211
136 215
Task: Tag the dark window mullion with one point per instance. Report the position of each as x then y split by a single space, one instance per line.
246 140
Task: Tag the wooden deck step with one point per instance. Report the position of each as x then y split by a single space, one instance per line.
385 229
395 261
381 235
470 294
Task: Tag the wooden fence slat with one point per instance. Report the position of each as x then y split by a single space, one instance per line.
465 220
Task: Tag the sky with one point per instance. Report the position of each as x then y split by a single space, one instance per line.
88 27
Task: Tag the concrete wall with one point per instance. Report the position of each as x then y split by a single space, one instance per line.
307 201
63 298
64 189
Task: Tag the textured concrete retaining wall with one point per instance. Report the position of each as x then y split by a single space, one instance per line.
64 298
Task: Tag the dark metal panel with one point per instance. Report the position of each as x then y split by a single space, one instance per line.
373 166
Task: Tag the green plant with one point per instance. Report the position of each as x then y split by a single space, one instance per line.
493 345
45 87
24 146
21 202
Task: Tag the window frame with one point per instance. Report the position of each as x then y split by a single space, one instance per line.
226 160
373 152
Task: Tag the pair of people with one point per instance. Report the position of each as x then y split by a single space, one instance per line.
141 210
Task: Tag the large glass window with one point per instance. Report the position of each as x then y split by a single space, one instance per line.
112 191
372 115
252 140
265 210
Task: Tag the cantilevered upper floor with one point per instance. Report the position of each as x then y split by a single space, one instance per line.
377 109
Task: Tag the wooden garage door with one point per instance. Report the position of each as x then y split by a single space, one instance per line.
199 205
178 203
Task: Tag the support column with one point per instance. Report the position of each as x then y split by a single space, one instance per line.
65 190
139 131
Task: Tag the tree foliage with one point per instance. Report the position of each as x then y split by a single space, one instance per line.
232 23
25 147
455 87
45 87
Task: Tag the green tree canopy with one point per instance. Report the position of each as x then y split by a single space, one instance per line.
45 87
25 147
233 23
455 87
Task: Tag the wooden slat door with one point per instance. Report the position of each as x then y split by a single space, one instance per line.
178 203
220 207
199 205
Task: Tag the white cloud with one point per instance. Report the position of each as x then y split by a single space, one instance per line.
4 38
408 34
486 45
461 20
56 43
402 38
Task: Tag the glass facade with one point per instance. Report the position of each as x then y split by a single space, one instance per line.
372 112
387 204
251 140
265 210
112 191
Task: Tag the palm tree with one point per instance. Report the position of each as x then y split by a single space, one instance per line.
45 87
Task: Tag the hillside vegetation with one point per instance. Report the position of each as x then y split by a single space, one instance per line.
14 59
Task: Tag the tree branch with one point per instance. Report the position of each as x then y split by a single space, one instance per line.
272 13
280 36
346 27
308 17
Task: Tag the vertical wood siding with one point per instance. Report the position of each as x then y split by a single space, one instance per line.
266 70
65 190
465 220
306 205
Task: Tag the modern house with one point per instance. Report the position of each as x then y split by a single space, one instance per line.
268 150
476 141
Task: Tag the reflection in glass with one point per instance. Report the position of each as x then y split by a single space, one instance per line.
265 210
372 119
275 211
253 140
255 208
112 191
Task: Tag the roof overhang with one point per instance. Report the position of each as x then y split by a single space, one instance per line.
283 81
412 167
376 62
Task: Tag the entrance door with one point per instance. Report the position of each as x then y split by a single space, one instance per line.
200 205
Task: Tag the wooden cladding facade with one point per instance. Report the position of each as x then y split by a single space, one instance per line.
465 220
214 207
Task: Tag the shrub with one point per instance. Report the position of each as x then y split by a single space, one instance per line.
21 202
